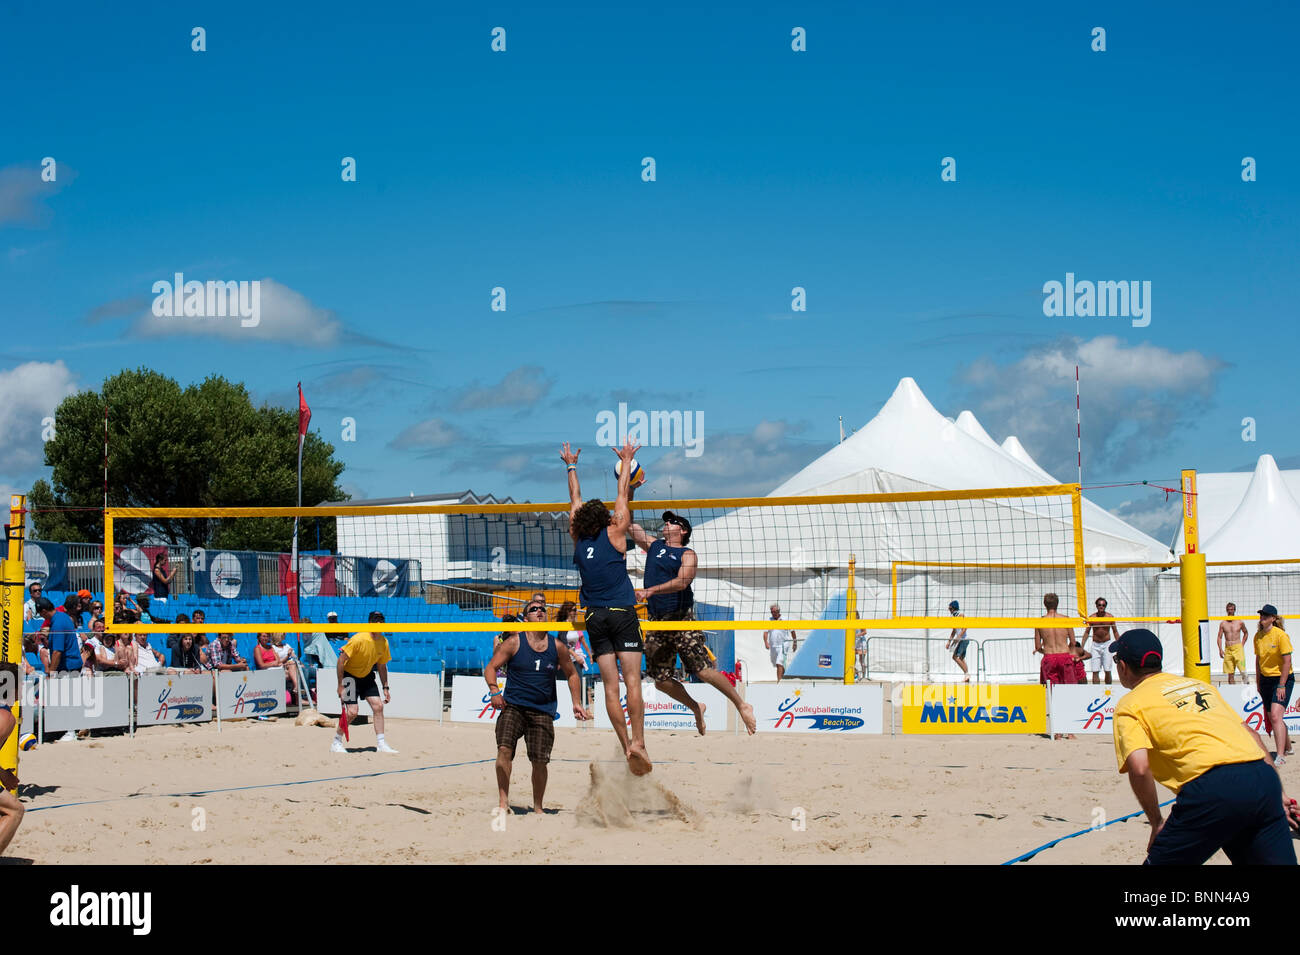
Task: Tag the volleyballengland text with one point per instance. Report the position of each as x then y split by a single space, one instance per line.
1126 298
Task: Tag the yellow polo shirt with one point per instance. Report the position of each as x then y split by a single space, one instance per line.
365 652
1270 648
1184 725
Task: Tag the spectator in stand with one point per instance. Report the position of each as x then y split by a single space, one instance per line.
223 655
72 607
102 650
96 610
162 577
174 639
145 615
575 639
37 643
146 657
187 655
65 648
265 658
29 608
288 659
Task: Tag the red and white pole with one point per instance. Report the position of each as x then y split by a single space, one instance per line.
1078 423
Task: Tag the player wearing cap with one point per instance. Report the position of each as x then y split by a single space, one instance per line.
364 655
1273 676
957 641
669 569
600 554
1180 733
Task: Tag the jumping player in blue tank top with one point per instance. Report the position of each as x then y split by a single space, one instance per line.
529 705
600 554
669 571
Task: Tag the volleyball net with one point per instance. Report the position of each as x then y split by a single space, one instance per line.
842 562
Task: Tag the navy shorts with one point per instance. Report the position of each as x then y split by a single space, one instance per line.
959 651
1268 686
613 630
1236 808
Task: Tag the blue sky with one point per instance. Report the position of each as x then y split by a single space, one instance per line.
775 169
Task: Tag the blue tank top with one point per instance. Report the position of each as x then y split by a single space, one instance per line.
664 563
530 677
604 573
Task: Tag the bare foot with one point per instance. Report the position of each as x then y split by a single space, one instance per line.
699 716
638 761
747 717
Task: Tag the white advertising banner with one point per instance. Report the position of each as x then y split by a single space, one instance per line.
414 696
1245 700
662 712
791 707
85 702
470 702
241 694
1085 708
173 698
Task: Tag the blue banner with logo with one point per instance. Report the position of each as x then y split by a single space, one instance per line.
379 577
227 575
46 564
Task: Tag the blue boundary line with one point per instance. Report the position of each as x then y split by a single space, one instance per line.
1082 832
235 789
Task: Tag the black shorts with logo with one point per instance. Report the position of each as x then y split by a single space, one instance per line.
613 630
357 688
1268 687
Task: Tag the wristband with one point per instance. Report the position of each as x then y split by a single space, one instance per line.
572 467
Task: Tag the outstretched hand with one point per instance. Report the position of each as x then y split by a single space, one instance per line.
568 456
625 453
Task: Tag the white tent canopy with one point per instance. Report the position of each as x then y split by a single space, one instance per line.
1265 524
1017 450
1218 493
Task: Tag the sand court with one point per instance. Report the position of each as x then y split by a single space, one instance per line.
271 792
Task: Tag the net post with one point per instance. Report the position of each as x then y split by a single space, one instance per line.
850 611
108 570
1193 588
13 578
1080 567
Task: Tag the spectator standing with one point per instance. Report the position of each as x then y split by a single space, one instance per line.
1102 636
780 644
1232 646
162 577
1273 676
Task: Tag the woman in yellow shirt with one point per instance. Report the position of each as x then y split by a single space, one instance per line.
1273 676
1180 732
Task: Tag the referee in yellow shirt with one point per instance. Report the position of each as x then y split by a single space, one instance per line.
362 657
1273 675
1180 733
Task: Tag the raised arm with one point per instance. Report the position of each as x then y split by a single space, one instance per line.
639 536
570 458
683 579
622 515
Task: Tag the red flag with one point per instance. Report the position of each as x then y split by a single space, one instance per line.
304 414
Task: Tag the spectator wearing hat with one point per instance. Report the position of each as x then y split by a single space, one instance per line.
1180 732
1273 676
34 591
362 657
957 641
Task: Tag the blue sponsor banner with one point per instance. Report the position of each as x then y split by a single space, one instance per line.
46 564
227 575
379 577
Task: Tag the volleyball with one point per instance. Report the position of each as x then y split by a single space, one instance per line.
638 473
27 741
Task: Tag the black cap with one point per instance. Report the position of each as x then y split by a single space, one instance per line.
686 525
377 616
1268 609
1139 648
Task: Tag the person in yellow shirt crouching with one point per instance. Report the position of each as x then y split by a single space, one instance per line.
1273 676
1180 732
363 656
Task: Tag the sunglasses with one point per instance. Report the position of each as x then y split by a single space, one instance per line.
534 609
673 520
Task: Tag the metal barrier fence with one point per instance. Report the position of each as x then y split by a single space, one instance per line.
928 658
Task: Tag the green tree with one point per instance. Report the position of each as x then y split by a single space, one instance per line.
204 445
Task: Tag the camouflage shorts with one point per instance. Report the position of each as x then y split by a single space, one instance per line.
662 646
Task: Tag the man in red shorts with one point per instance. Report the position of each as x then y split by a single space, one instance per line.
1056 644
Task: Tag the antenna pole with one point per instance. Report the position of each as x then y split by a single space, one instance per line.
1078 423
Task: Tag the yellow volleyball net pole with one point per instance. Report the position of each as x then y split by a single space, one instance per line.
850 633
1193 588
12 581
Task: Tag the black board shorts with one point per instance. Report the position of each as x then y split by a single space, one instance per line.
613 630
357 688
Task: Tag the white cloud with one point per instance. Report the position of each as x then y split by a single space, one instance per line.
29 393
432 434
286 315
22 195
525 385
1135 397
734 465
1153 515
